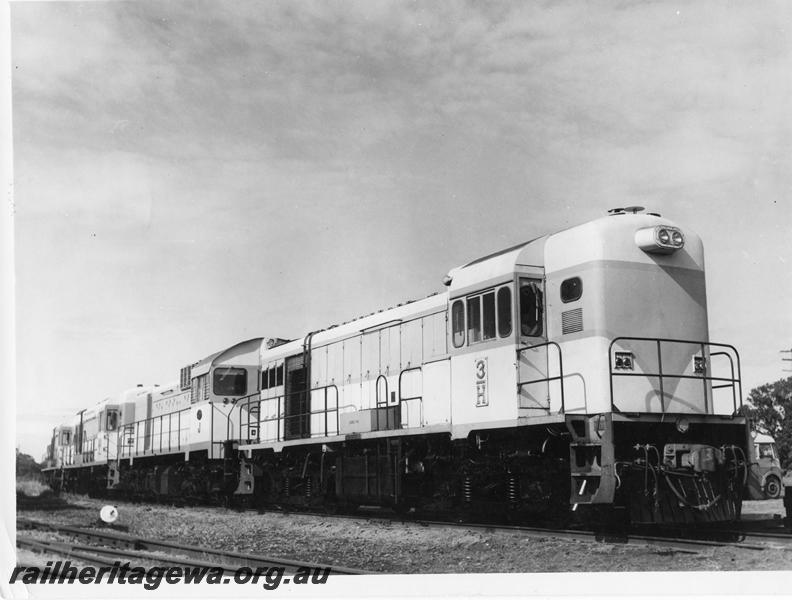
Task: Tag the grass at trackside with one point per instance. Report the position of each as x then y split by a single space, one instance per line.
31 487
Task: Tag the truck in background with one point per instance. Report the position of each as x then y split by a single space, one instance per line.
765 477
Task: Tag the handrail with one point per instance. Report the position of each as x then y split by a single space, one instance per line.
254 406
145 429
405 401
559 377
736 389
401 374
386 404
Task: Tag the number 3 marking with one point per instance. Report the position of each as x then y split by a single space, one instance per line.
481 370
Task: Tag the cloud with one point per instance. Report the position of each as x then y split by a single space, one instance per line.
219 162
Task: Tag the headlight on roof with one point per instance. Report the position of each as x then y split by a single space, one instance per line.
661 239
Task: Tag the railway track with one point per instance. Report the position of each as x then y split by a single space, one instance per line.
692 542
105 548
684 541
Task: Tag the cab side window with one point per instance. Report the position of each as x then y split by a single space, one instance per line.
488 310
458 323
482 316
765 451
531 310
482 323
474 319
504 312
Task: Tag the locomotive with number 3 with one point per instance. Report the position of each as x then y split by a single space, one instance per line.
571 372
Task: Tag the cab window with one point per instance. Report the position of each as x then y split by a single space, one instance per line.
531 313
481 323
504 312
229 381
765 451
488 315
112 420
474 319
458 323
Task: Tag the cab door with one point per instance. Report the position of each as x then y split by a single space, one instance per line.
534 355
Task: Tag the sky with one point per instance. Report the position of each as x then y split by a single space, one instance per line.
191 174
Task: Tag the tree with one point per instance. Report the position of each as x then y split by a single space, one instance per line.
771 411
26 466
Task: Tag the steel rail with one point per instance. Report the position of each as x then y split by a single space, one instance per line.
691 545
629 536
757 535
67 550
109 556
677 543
131 544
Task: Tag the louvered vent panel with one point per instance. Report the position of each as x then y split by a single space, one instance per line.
186 375
572 321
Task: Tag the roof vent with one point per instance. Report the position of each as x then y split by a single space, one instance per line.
616 211
654 214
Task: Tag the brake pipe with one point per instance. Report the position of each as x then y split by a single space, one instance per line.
685 501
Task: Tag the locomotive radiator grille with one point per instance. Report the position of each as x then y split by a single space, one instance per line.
572 321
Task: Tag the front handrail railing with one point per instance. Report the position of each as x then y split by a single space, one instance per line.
735 383
548 379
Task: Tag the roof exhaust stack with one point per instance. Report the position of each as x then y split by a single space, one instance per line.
623 211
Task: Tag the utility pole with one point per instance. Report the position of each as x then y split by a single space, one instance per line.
787 359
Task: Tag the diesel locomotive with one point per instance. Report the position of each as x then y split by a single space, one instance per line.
568 373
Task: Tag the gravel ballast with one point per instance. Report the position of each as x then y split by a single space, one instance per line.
395 547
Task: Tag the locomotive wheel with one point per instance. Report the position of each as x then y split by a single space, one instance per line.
772 487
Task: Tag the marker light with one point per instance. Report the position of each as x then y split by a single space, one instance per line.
624 361
699 365
662 239
682 424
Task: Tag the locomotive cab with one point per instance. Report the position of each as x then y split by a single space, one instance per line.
217 384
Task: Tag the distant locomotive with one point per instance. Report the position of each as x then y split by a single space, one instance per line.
568 371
